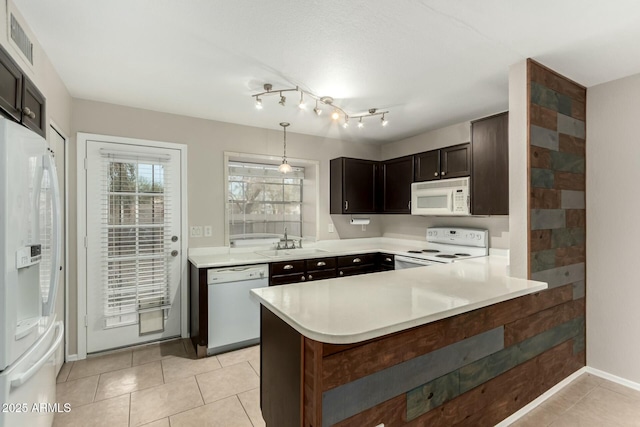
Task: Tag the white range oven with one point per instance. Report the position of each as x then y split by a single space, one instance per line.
446 245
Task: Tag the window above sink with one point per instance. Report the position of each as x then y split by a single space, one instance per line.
262 202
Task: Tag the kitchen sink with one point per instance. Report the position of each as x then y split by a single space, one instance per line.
275 253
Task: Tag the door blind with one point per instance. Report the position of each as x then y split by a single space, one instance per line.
135 236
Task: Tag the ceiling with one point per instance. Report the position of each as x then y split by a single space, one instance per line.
431 63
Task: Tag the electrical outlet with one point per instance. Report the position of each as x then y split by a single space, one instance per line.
195 231
208 231
330 227
364 227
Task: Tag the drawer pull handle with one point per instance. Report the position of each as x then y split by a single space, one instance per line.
387 259
287 267
303 278
357 260
321 264
310 277
342 273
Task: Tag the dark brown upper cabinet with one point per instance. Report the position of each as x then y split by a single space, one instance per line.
10 87
33 108
20 100
353 186
449 162
397 176
490 171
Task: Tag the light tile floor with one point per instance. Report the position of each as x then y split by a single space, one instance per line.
162 385
588 401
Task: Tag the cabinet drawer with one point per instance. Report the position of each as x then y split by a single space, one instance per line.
287 278
352 271
355 260
286 267
321 274
321 264
386 260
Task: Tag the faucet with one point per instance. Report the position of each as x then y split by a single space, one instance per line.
285 240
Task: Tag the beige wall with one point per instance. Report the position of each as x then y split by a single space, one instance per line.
613 165
518 167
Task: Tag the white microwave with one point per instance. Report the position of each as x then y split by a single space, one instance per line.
442 197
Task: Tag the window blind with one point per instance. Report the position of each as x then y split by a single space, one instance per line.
263 201
135 235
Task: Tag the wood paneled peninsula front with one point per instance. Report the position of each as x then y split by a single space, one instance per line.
454 344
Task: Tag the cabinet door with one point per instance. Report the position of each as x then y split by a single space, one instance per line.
33 108
10 86
397 176
490 172
455 161
427 166
359 184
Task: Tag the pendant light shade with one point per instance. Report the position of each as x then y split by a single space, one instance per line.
284 167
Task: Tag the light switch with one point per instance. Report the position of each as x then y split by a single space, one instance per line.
330 227
208 231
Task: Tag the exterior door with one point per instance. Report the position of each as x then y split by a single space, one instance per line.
133 244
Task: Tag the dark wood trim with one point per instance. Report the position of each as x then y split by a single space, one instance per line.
199 314
281 377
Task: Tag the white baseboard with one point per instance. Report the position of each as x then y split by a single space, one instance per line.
72 357
544 396
613 378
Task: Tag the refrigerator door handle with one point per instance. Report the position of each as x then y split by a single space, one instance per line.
49 306
24 377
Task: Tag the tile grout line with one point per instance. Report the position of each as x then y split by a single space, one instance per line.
244 409
571 406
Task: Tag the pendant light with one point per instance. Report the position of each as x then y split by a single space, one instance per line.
284 167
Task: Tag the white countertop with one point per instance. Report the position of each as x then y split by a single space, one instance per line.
225 257
357 308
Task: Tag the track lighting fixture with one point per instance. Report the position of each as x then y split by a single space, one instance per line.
284 167
326 100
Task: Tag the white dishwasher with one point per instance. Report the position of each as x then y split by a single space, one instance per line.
234 317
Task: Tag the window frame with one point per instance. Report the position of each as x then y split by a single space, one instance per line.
312 175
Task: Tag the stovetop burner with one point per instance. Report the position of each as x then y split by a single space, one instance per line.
446 256
430 251
462 254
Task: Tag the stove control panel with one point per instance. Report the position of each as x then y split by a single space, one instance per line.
458 236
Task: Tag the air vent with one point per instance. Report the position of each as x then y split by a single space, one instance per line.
21 39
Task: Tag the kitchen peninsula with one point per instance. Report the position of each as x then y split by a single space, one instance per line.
459 343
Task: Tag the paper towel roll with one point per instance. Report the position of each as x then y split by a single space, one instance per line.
360 221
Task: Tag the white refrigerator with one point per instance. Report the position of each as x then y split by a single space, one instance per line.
30 236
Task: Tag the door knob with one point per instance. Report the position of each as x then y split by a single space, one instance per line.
174 253
174 238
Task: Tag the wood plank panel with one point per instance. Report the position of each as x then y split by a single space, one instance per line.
312 389
527 327
543 117
357 362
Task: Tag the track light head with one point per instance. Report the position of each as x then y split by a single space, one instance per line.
301 104
258 103
335 115
384 121
317 110
360 124
283 99
346 122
